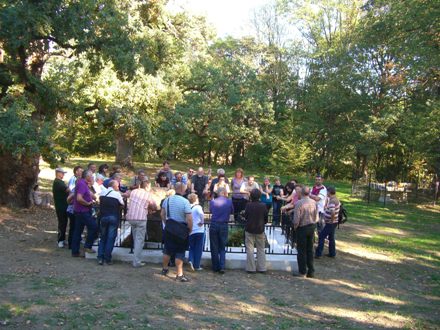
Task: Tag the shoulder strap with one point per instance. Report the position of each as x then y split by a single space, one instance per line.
168 207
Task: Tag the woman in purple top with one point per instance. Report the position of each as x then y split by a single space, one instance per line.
238 199
82 207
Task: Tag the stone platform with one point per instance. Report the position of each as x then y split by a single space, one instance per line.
233 260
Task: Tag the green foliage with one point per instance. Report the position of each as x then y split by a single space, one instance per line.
355 92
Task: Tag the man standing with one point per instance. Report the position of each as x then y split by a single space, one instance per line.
304 224
256 218
176 209
77 173
221 208
248 186
167 170
140 203
331 213
60 192
199 185
137 180
110 203
220 174
319 195
82 206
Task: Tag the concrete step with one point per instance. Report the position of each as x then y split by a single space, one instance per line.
286 263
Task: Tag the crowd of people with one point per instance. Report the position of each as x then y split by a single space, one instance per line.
94 197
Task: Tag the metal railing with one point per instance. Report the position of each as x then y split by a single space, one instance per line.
278 238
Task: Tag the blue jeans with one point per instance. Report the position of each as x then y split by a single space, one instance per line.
328 230
276 211
83 219
196 248
218 237
108 230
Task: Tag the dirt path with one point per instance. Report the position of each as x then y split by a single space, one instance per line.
41 286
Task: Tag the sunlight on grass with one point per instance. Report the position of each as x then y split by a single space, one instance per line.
375 318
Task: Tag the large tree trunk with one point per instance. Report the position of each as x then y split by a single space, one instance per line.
19 177
124 150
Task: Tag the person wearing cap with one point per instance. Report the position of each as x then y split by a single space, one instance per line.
139 204
60 192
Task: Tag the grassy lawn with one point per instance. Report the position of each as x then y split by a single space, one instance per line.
386 275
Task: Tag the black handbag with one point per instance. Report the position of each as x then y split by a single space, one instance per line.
175 230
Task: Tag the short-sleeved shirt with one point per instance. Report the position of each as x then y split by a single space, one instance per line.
236 186
72 183
82 188
184 180
135 181
138 205
221 208
198 218
321 192
59 191
163 183
249 188
214 182
199 183
332 207
179 207
277 188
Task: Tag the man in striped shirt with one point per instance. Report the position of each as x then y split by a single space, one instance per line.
139 203
331 215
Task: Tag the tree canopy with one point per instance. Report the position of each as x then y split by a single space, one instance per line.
339 87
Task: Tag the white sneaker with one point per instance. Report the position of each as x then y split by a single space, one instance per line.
191 266
61 244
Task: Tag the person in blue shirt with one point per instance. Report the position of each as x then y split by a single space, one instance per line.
221 209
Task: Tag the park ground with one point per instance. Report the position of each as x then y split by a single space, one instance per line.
386 275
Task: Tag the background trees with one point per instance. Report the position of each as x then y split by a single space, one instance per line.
336 86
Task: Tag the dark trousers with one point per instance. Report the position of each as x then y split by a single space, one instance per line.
71 217
108 231
83 219
196 248
268 207
239 206
304 245
62 223
218 237
327 231
276 211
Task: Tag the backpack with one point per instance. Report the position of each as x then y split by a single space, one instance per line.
343 215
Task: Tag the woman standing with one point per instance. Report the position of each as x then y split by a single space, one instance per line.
102 173
256 215
238 199
197 235
266 195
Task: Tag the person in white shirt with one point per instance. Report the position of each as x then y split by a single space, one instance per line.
319 195
77 173
197 235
